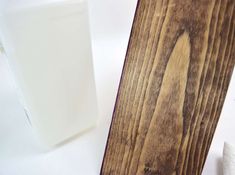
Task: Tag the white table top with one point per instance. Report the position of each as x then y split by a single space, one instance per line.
20 153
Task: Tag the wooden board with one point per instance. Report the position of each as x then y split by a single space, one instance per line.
177 70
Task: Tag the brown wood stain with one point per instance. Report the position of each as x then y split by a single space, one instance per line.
177 70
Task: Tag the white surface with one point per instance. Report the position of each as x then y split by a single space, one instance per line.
19 152
49 52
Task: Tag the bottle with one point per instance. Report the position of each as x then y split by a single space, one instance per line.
48 48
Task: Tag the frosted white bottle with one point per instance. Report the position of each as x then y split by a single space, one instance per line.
48 48
228 159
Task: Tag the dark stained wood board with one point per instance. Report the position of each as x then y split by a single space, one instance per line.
176 74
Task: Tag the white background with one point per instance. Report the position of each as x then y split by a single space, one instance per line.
20 153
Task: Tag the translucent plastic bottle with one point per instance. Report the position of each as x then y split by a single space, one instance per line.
47 44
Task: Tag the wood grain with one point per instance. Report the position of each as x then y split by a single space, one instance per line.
176 74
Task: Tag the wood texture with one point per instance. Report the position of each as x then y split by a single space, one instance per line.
177 69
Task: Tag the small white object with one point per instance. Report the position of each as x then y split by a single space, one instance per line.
49 52
228 159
